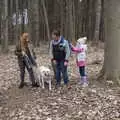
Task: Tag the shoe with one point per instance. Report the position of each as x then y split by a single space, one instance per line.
57 86
35 85
85 85
21 85
68 86
81 81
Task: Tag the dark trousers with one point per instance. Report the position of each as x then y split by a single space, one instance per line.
54 68
61 69
82 71
22 66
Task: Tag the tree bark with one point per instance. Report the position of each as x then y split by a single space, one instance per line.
46 19
112 41
5 27
17 26
34 21
98 19
71 20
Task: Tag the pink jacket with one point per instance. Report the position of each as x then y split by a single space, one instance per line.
81 54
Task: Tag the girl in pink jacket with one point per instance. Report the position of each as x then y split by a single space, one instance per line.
80 51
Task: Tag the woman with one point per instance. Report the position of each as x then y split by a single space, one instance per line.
25 59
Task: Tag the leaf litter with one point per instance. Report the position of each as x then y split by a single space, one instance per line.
96 102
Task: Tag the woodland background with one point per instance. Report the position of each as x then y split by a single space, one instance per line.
99 20
74 18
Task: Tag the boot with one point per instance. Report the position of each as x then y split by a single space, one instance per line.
35 85
85 81
57 85
21 85
80 82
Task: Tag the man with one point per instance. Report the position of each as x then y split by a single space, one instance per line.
60 52
25 59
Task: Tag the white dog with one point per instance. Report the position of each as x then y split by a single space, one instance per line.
43 74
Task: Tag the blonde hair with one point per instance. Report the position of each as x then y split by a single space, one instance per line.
24 41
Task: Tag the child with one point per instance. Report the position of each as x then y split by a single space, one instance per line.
80 50
59 53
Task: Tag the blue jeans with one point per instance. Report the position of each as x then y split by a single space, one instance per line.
82 71
60 68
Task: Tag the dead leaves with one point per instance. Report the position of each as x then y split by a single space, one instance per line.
92 103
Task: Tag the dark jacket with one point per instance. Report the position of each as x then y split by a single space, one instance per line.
29 58
59 50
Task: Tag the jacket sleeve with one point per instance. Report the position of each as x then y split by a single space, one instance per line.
34 54
18 51
51 51
67 50
77 50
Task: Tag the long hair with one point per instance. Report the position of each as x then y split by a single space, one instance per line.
24 41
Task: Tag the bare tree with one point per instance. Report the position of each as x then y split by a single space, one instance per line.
17 26
46 18
98 19
111 68
5 27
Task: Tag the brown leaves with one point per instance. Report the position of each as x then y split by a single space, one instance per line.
95 102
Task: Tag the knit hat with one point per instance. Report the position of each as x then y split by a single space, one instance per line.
82 40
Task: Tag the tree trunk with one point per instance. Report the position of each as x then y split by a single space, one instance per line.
22 13
5 27
62 17
33 14
71 20
112 40
17 26
46 18
98 19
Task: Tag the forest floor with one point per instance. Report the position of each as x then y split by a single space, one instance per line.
99 101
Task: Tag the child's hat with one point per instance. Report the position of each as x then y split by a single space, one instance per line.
82 40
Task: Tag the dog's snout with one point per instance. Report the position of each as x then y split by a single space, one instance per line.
46 74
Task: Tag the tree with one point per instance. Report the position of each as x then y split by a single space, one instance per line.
17 26
46 18
111 68
98 19
5 27
33 16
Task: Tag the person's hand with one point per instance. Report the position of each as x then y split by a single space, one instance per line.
54 62
23 53
66 63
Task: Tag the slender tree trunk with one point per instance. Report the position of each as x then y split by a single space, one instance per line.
22 13
5 28
30 20
62 16
102 30
111 67
66 20
0 22
98 19
33 14
46 19
17 26
71 20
